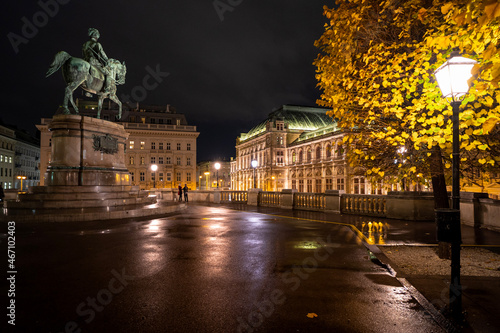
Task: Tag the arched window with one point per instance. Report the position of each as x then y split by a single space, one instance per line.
328 151
318 153
309 155
294 157
300 156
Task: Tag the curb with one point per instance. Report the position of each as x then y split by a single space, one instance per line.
393 269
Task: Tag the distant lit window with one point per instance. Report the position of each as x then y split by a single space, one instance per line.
143 144
131 146
142 161
131 160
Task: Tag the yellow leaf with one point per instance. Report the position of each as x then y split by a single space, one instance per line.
381 173
489 124
482 161
311 315
492 10
446 8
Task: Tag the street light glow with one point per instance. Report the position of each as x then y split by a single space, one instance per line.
154 167
453 76
217 166
254 163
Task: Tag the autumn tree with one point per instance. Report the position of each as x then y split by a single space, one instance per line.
375 72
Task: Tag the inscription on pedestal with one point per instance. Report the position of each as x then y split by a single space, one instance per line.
105 143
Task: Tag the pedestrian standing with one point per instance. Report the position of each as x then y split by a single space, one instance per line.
180 193
185 189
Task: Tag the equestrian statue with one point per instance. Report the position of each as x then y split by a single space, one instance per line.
95 73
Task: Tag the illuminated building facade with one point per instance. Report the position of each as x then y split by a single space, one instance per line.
207 175
295 148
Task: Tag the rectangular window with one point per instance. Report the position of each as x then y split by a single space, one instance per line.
143 144
179 176
188 147
153 160
132 160
1 158
160 176
169 160
188 176
168 145
309 185
160 160
178 146
142 176
160 146
153 145
340 184
131 145
329 184
132 176
160 121
142 161
188 161
169 177
294 184
301 185
319 186
153 120
178 161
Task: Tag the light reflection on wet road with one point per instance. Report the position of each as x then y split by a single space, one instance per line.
209 269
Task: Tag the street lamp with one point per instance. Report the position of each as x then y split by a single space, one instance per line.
21 178
200 183
217 167
254 166
154 167
452 78
206 173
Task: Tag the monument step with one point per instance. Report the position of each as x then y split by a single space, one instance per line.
51 204
82 189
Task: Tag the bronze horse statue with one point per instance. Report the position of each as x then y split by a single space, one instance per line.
78 72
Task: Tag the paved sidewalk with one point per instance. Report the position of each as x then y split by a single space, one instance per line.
480 293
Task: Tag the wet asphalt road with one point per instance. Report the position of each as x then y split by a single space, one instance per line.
207 269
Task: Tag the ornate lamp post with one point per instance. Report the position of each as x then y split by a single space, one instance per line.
154 167
452 78
217 167
254 166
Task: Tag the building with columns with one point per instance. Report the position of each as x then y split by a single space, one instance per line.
207 175
298 148
157 135
7 155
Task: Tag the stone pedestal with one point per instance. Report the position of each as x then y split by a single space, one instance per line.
253 196
86 178
87 151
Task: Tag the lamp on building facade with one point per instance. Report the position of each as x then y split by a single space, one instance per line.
217 167
154 167
452 78
254 166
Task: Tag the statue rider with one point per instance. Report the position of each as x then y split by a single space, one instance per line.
94 54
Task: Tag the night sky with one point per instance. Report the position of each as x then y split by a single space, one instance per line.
224 75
